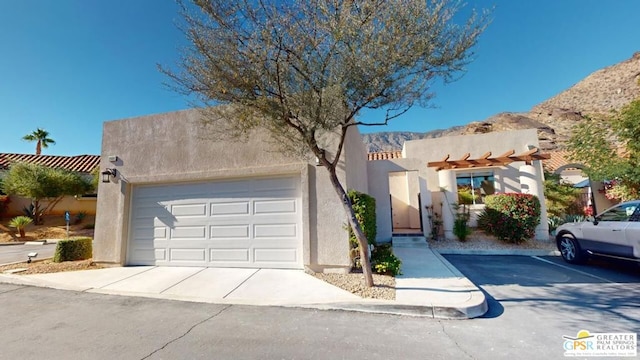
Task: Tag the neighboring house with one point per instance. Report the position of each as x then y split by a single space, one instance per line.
82 164
431 172
571 172
181 197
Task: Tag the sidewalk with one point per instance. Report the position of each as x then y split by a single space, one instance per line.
430 286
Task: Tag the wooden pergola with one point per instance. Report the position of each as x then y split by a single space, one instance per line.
486 160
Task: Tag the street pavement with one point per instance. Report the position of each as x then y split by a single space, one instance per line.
533 302
15 253
429 286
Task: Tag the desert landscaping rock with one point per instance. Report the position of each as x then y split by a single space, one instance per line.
48 266
384 286
480 241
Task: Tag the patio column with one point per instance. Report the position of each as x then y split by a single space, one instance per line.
531 182
447 182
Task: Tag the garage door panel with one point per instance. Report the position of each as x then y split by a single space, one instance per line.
230 255
230 208
189 232
275 231
287 206
147 212
229 231
246 223
187 255
189 210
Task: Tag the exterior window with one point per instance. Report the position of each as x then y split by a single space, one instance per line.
474 186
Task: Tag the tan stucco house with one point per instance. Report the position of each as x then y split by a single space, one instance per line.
183 199
431 172
178 198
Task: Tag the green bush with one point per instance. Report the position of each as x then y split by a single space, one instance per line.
365 208
384 261
510 217
73 249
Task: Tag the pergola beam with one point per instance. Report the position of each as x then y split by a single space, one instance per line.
486 160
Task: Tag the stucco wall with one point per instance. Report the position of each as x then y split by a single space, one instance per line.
172 147
68 203
378 172
456 146
355 161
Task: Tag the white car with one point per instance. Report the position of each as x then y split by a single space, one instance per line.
614 233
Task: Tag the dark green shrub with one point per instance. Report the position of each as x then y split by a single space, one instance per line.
365 208
384 261
510 217
73 249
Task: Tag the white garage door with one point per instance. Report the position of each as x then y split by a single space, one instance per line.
242 223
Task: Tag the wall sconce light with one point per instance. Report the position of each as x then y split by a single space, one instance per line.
107 174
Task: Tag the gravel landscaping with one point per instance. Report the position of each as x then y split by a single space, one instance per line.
384 286
48 266
480 241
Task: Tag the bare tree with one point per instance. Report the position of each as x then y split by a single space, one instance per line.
304 69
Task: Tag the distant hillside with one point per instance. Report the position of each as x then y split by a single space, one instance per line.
600 93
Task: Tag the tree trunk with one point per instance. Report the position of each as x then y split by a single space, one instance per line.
36 212
355 226
21 231
38 148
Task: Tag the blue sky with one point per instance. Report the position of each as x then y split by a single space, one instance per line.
69 65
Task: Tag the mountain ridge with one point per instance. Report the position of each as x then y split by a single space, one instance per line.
597 95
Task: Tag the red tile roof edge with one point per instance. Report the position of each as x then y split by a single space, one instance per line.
77 163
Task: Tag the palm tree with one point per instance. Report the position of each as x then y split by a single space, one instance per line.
42 138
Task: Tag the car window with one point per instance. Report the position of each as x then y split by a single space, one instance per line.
619 213
636 215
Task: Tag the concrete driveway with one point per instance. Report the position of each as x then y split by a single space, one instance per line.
15 253
219 285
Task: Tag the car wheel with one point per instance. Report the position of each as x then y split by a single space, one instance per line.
570 250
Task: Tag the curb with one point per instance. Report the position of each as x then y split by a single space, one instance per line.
34 260
12 243
518 252
474 307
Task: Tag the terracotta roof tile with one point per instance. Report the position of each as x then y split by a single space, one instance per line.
558 158
79 163
385 155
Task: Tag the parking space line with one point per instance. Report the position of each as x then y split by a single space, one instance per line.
578 271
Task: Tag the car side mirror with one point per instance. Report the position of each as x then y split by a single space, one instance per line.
596 220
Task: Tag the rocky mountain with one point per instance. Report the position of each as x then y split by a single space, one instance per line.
600 93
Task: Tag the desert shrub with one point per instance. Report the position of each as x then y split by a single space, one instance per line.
461 227
384 261
89 226
79 217
73 249
365 208
510 217
20 223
